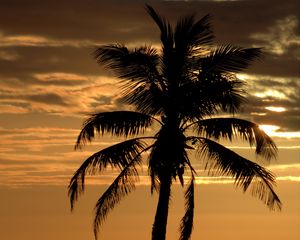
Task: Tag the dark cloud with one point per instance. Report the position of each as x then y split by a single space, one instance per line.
39 119
285 66
49 98
102 100
105 20
289 120
50 59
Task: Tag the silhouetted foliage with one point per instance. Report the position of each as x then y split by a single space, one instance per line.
183 89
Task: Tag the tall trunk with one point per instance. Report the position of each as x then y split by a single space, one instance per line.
161 217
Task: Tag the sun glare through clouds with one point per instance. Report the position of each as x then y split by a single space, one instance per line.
276 109
274 131
269 129
270 93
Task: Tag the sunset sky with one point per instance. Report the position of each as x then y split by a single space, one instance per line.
49 82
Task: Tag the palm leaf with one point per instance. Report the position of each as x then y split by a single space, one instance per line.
229 59
118 123
227 128
139 64
147 97
186 225
190 34
199 99
165 28
223 161
224 91
167 40
116 156
139 68
122 186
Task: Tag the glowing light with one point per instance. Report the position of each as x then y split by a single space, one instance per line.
270 93
276 109
272 131
258 114
269 129
289 178
242 76
59 76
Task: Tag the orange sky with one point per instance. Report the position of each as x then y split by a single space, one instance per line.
49 82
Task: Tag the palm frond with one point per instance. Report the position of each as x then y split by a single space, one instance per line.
122 186
186 225
190 34
224 91
229 59
167 40
143 84
164 26
230 95
223 161
116 156
199 99
118 123
137 65
147 98
228 128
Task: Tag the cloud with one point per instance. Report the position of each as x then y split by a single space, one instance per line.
281 36
40 41
57 76
48 98
12 108
59 93
8 55
25 102
266 92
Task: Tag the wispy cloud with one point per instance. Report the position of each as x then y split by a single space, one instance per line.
41 41
57 92
59 76
8 55
273 100
281 36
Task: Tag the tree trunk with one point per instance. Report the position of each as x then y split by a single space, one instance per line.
161 217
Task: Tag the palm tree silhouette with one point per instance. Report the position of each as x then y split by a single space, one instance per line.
183 89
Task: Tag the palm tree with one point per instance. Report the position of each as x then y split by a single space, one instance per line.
184 89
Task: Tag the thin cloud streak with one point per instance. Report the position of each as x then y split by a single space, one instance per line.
22 178
85 93
41 41
280 37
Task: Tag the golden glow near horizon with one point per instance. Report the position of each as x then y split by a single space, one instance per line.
276 109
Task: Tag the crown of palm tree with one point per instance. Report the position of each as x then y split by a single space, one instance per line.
182 89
